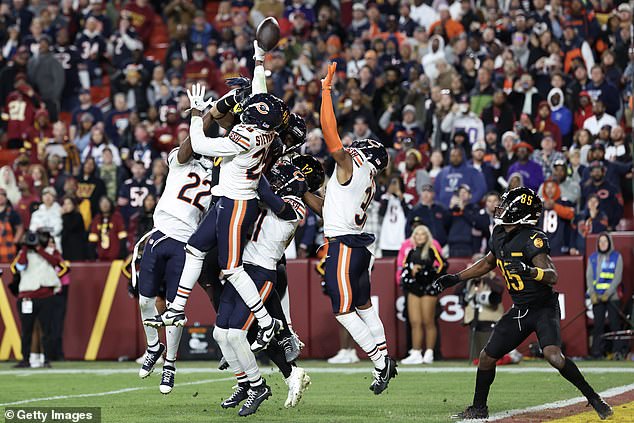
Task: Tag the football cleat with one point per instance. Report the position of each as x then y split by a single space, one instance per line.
265 335
292 347
382 377
240 393
602 408
167 379
473 412
23 364
223 364
297 384
170 317
150 360
256 396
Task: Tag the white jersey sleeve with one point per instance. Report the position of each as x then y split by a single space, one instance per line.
240 174
345 205
186 198
271 235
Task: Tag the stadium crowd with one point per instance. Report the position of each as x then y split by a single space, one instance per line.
470 97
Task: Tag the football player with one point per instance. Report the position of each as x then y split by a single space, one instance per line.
178 213
348 195
236 208
271 235
522 253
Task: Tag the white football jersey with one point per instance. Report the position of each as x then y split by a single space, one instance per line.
345 205
185 200
240 174
271 235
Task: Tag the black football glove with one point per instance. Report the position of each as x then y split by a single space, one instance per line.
446 281
517 267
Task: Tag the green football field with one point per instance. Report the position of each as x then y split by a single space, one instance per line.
337 394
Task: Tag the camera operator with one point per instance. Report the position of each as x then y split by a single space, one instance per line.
482 300
37 283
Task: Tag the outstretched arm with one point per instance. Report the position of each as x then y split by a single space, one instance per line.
329 128
315 203
476 270
185 151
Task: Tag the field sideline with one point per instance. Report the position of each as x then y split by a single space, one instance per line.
338 393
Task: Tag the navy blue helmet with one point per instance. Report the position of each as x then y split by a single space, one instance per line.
265 111
286 179
374 152
312 169
293 135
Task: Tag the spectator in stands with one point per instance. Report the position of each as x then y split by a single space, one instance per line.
461 119
111 174
354 106
431 214
590 220
117 120
458 172
599 118
132 82
570 189
422 266
142 221
611 201
583 111
560 115
179 12
9 74
532 174
85 107
604 274
544 124
49 216
556 219
614 171
478 163
525 98
56 175
142 18
74 236
601 89
435 165
500 114
90 188
134 190
547 155
92 47
47 75
122 43
413 175
395 206
39 178
11 229
619 149
29 201
96 146
464 223
485 221
143 150
8 183
19 108
107 232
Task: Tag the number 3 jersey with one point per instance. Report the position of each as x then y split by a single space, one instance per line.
345 204
186 198
271 235
522 243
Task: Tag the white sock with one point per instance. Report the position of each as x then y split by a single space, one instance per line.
173 335
362 336
373 321
148 310
194 259
286 306
238 340
220 335
250 295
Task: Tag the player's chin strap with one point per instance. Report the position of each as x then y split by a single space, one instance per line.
135 253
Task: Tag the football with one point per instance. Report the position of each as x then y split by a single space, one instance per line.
268 34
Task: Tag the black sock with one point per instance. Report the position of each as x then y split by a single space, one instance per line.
571 372
274 307
484 379
276 354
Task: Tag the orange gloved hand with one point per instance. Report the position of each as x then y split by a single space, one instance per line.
326 83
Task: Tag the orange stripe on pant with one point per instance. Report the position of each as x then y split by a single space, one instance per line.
343 280
264 294
234 230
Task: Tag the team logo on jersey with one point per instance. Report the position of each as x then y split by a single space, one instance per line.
262 107
538 243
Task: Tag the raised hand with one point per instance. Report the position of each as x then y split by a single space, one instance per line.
197 98
326 83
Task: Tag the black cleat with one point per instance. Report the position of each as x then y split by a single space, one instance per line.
602 408
256 397
24 364
382 377
240 393
473 412
167 379
223 364
265 335
151 357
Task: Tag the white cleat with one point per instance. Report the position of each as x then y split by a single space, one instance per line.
297 383
170 317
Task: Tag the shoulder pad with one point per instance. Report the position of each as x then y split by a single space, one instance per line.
537 243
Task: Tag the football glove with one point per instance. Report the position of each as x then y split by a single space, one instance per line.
446 281
258 52
242 86
517 267
197 98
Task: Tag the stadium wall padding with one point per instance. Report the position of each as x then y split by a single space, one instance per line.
103 322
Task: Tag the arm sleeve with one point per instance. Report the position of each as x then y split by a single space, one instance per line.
589 280
258 85
218 147
329 123
274 202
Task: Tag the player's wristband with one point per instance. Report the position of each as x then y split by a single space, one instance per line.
540 274
225 104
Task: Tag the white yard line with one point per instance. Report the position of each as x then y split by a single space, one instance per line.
115 392
608 393
334 369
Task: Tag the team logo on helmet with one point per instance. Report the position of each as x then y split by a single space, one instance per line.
262 107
